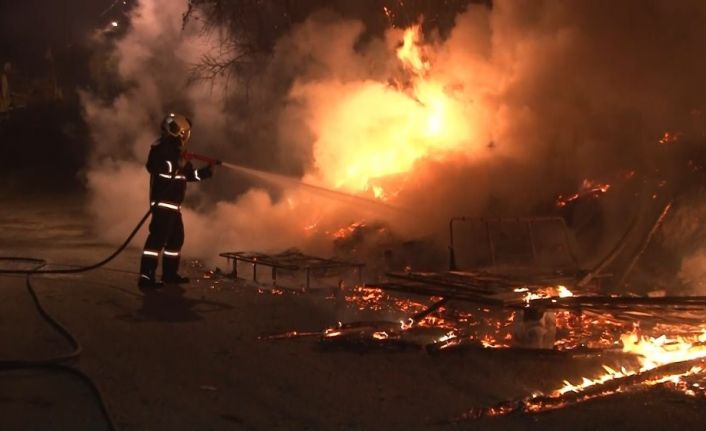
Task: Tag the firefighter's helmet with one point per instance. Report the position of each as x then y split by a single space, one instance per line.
178 126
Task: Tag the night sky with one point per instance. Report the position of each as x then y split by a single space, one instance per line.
29 27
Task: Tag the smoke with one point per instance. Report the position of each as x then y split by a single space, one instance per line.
521 102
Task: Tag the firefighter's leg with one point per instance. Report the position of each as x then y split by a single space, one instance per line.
159 229
172 253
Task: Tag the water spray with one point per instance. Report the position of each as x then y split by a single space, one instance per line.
283 181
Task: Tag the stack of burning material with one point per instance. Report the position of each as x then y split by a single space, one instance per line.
544 309
669 352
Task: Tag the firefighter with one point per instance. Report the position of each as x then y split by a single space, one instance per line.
169 173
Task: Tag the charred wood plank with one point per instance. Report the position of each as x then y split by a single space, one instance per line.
607 302
427 311
444 292
543 403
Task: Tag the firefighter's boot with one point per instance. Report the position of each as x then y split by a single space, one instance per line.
148 269
170 269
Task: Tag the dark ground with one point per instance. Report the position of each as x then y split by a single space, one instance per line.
190 359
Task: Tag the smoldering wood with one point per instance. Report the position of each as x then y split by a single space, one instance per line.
622 302
427 311
543 403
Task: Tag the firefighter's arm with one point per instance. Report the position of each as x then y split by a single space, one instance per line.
192 174
158 163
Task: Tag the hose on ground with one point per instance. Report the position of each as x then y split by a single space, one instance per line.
57 363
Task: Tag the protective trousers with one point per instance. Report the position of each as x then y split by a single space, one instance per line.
166 233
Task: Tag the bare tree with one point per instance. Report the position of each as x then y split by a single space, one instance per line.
249 29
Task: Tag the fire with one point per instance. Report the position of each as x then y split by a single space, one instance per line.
564 292
675 360
378 129
588 188
544 292
655 352
670 138
678 363
652 353
388 13
410 52
379 193
311 227
346 231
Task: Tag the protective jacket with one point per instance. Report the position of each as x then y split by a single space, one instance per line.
168 178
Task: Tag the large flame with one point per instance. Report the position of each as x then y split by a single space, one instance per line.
375 129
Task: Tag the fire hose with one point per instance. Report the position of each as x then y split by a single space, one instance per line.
58 362
73 270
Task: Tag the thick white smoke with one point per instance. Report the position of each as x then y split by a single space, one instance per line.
544 94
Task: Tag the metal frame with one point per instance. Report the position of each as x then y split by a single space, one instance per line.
485 286
492 288
528 221
288 260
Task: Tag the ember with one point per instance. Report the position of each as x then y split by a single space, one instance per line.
588 188
670 138
662 339
677 364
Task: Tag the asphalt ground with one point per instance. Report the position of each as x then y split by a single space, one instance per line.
190 358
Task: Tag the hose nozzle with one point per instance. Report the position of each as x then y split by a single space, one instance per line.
193 156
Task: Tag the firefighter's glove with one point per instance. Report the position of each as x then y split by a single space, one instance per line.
205 172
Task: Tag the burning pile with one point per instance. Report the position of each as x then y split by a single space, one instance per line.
678 363
371 136
675 359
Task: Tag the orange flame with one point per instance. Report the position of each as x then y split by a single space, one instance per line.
410 53
588 187
372 130
652 353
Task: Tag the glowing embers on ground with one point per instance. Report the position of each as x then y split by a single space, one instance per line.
461 324
652 353
677 363
668 351
420 323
